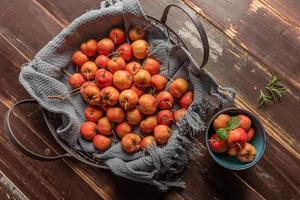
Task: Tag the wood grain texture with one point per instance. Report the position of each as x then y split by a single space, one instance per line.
8 190
255 25
288 8
205 179
47 182
235 67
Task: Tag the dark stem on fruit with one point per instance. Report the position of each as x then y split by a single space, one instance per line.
134 67
165 119
63 97
66 72
103 75
115 53
144 29
113 131
126 105
152 91
76 89
170 78
70 93
115 38
167 102
60 97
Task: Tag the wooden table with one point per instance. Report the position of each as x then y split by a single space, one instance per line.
248 40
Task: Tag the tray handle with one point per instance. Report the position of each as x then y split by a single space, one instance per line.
196 22
8 130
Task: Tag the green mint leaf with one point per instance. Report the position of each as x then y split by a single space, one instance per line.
222 133
233 123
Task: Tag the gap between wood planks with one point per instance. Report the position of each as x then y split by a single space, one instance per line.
231 32
62 25
248 185
61 22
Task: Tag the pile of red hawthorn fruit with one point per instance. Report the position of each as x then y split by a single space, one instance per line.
123 88
233 135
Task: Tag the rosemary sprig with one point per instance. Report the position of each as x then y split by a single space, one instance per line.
263 99
275 91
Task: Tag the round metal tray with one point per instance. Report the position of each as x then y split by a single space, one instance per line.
54 120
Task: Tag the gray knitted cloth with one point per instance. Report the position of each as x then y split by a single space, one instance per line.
161 165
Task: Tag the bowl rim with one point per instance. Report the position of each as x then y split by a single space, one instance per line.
243 111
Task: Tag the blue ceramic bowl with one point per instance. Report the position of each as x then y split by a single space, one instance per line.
259 141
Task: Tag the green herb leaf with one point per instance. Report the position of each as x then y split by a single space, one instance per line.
222 133
274 89
233 123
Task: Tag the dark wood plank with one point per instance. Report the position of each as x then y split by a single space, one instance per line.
66 11
288 8
252 24
9 18
38 179
8 190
